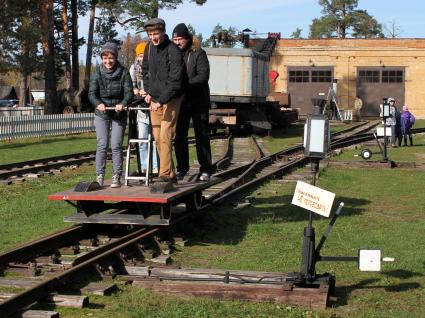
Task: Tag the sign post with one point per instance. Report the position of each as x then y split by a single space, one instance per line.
385 113
319 201
316 144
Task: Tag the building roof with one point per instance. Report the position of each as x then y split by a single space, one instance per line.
407 43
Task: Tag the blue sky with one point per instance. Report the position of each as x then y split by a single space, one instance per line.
281 16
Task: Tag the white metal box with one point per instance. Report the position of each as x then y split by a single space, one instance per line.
238 75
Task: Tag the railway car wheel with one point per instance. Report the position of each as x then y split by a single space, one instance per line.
194 202
90 207
166 211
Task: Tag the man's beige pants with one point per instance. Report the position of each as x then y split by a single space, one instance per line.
164 122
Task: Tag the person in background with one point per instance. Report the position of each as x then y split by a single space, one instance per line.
407 121
110 86
196 104
143 123
162 70
358 104
392 121
398 127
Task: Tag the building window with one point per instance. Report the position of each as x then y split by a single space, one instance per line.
299 77
392 76
321 76
369 76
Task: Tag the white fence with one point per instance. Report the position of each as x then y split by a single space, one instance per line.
14 127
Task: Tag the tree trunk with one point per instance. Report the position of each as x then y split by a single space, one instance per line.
75 66
68 77
23 89
47 38
89 45
24 67
155 9
344 23
30 98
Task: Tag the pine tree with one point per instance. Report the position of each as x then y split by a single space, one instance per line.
19 42
296 34
339 17
365 26
47 41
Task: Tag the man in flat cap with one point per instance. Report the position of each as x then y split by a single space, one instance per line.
162 70
196 104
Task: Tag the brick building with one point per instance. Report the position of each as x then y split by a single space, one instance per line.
371 68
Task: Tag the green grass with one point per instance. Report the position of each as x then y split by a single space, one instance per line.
399 154
383 209
268 235
281 139
37 148
25 212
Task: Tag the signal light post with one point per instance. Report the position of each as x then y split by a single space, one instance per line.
385 114
316 144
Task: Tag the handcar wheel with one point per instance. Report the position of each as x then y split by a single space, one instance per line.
166 211
194 203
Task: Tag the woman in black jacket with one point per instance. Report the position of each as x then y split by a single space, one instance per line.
111 86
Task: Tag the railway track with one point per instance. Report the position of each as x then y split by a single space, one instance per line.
241 164
43 256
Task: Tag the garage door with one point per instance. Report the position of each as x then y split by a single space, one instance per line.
373 84
305 83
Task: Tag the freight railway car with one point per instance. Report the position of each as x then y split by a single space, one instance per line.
239 88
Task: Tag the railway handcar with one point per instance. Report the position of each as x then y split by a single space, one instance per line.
141 205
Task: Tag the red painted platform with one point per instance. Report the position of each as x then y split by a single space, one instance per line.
133 193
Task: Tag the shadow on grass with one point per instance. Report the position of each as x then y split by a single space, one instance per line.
293 130
342 293
289 212
51 307
228 225
95 306
402 274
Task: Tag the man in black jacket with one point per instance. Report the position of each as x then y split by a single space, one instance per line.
196 104
162 70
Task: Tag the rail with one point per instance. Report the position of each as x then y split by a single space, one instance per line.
15 127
